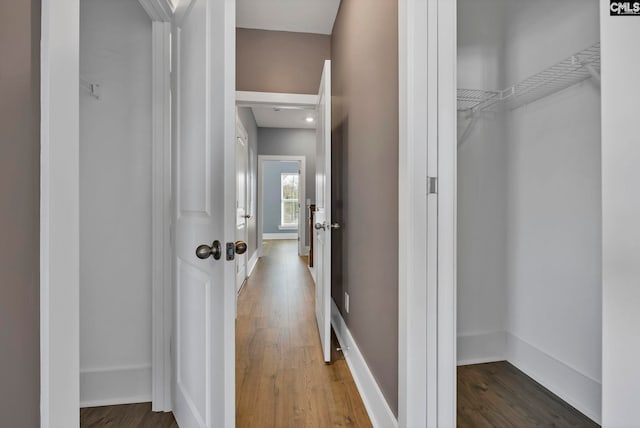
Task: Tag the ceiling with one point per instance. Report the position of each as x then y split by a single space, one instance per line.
302 16
269 117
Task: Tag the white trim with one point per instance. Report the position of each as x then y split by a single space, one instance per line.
251 265
445 74
227 9
269 236
579 390
306 250
302 195
478 348
158 10
161 218
412 212
312 271
377 407
115 385
59 215
287 227
263 99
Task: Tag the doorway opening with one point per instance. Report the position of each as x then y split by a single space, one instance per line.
529 339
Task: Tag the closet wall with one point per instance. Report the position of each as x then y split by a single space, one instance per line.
115 203
482 162
537 261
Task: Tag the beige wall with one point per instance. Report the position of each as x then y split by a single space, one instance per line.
279 61
364 48
19 215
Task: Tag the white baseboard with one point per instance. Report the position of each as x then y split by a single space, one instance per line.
574 387
312 270
113 386
377 407
267 236
251 264
481 348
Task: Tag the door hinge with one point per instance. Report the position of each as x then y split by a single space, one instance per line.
432 185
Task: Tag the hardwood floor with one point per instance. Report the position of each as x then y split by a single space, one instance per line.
281 379
125 416
500 395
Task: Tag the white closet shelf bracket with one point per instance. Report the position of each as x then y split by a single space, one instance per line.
92 88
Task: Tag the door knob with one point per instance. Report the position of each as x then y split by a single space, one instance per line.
333 226
319 226
204 251
241 247
247 216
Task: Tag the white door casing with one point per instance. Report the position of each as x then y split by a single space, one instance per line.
203 171
242 168
323 226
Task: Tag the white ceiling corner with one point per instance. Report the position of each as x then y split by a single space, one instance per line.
302 16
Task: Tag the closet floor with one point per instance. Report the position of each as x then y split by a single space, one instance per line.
125 415
500 395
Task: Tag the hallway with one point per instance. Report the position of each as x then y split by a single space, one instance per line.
281 380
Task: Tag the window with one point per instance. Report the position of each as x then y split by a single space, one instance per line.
289 200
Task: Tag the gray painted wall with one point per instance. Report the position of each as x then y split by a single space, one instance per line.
20 213
249 122
364 100
271 174
293 142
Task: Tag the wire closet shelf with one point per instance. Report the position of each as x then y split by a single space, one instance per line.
566 73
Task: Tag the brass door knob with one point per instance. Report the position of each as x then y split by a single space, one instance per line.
241 247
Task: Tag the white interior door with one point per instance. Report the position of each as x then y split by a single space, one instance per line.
202 172
242 167
323 225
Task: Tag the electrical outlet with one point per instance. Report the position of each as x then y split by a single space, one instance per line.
346 301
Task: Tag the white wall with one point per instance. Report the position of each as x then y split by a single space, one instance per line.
554 203
620 214
481 190
547 163
115 203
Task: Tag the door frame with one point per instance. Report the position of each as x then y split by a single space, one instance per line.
59 211
427 221
241 130
301 196
59 243
272 99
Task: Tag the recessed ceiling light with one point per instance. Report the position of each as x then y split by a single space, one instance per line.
309 119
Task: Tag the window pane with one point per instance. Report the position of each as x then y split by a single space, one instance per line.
289 199
290 212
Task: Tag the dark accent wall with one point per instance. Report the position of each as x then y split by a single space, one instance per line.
280 61
20 213
364 48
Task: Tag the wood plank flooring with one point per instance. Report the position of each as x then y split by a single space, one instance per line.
500 395
281 379
125 416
